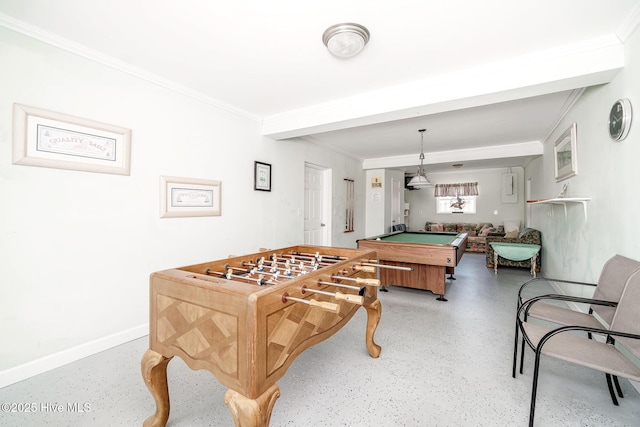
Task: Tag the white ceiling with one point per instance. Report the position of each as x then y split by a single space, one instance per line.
489 80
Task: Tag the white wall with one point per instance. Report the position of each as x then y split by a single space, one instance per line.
608 172
378 200
423 203
77 248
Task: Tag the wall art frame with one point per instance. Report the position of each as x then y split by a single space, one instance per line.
261 176
55 140
189 197
565 154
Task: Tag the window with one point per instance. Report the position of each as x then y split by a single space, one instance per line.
456 198
459 204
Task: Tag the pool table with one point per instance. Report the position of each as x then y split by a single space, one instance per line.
430 254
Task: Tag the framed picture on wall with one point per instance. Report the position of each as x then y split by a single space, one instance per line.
182 197
565 153
55 140
262 176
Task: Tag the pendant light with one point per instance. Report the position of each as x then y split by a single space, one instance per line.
420 180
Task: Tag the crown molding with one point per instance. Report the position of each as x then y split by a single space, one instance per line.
629 25
108 61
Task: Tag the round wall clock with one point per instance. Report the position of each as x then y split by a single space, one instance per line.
620 119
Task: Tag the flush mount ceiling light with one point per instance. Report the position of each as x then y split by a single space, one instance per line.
345 40
420 180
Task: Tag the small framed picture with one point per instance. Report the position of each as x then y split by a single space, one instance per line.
566 157
181 197
262 176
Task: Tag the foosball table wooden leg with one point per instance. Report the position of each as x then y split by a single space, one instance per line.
249 412
154 372
374 311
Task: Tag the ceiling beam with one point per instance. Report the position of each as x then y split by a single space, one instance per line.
526 149
566 68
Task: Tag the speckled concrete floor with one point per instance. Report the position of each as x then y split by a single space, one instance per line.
442 364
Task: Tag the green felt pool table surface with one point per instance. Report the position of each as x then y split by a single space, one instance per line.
422 238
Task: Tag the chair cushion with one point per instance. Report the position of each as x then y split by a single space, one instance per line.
583 351
562 316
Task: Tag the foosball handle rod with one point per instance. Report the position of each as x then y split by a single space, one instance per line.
359 280
390 267
363 268
353 299
329 306
368 282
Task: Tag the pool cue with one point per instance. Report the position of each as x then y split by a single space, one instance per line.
362 280
354 299
329 306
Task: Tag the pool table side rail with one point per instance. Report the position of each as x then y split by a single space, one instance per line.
417 253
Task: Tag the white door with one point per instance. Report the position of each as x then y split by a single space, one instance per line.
315 222
397 211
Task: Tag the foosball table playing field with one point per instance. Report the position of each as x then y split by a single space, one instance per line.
245 319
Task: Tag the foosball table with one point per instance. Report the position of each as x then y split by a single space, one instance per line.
246 318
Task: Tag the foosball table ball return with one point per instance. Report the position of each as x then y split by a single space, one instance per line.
245 319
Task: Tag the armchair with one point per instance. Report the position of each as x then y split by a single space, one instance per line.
607 292
528 235
561 343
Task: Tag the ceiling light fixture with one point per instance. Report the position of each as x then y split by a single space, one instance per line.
345 40
420 180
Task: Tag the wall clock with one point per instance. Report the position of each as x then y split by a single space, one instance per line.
620 119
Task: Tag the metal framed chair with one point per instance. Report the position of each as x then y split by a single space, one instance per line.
602 305
606 356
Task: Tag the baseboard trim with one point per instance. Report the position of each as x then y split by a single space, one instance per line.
52 361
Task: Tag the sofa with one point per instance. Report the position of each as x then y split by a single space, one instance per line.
527 235
477 233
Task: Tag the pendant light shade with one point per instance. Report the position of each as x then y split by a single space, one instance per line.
420 180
